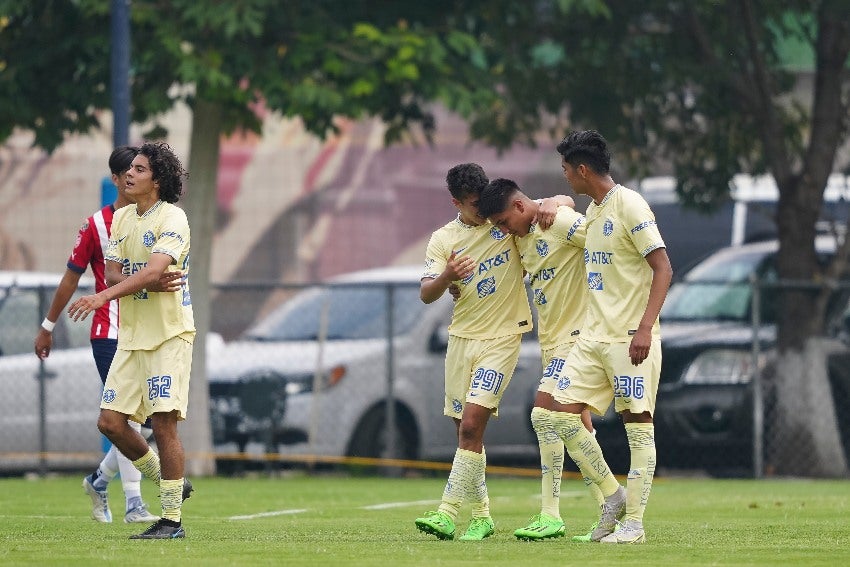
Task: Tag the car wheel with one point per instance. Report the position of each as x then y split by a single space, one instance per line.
371 436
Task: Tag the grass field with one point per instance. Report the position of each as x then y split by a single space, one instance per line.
336 520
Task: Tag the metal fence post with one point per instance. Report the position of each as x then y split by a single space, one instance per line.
758 394
42 394
392 438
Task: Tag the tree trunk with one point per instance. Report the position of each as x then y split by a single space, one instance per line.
200 205
802 432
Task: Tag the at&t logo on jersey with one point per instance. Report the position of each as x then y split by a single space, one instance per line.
148 239
594 281
497 234
487 286
542 247
607 227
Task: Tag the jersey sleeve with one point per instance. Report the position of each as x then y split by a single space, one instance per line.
639 221
173 235
83 249
436 257
569 227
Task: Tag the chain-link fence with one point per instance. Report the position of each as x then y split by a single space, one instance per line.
309 376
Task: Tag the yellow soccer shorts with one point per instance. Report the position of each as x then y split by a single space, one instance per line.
478 372
144 382
597 372
554 362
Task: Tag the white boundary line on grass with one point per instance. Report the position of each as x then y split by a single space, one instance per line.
388 505
268 514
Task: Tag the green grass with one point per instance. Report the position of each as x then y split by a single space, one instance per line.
688 522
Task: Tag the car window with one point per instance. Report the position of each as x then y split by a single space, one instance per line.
21 313
718 289
18 320
353 312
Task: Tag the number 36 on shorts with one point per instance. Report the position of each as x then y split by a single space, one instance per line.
628 387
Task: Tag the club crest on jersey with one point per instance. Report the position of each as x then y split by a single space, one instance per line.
109 396
607 227
563 382
148 239
457 406
542 247
497 234
487 286
594 281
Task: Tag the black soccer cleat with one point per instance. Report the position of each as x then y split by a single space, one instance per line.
162 529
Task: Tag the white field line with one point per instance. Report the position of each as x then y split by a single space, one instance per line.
383 506
388 505
268 514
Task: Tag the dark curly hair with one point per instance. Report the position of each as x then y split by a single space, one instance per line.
466 179
165 169
495 197
587 147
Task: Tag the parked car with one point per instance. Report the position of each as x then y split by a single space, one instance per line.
71 384
319 365
69 376
704 417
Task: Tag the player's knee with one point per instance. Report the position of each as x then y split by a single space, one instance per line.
110 425
541 419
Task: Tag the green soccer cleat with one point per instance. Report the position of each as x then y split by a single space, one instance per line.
437 524
478 529
585 538
542 526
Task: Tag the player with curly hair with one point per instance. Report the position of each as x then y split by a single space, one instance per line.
150 373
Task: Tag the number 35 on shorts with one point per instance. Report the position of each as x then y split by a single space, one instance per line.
628 387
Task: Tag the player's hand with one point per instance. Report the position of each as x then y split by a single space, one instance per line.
639 347
80 309
43 343
459 268
454 291
546 213
169 281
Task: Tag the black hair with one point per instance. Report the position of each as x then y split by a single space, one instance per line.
121 158
466 179
495 197
165 169
587 147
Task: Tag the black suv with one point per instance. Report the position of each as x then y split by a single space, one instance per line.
704 417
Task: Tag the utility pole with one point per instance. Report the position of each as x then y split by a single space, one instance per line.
120 70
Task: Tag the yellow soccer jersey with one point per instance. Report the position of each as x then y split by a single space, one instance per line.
146 320
553 259
621 231
492 301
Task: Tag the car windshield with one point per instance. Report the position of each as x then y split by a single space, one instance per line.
718 289
353 312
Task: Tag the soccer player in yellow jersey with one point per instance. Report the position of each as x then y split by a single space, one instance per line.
490 315
554 261
149 375
618 354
